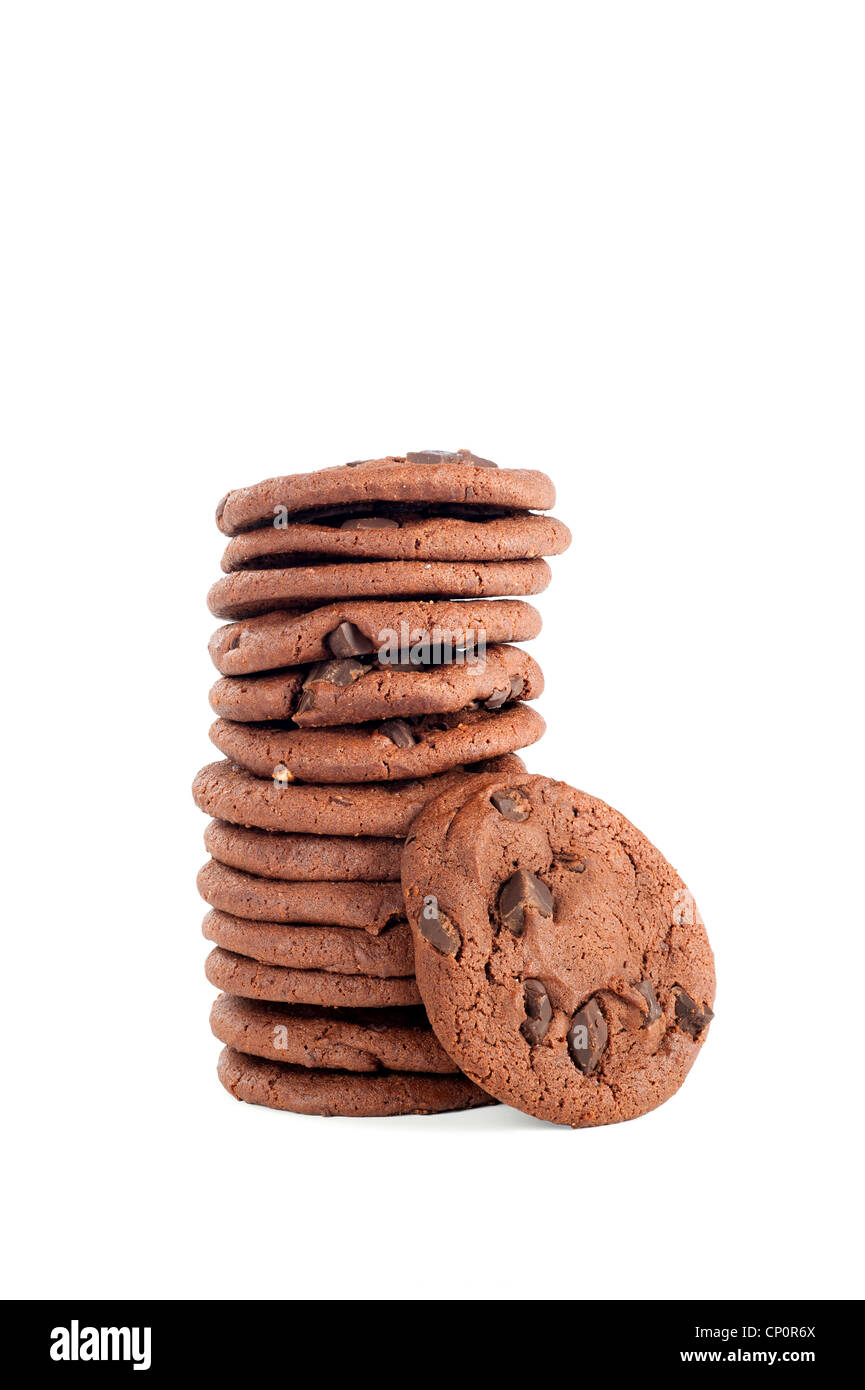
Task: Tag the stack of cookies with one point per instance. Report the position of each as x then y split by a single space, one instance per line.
366 670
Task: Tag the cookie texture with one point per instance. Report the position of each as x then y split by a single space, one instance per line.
357 689
343 950
432 476
230 793
308 1091
368 906
371 753
397 533
248 592
292 637
303 858
252 979
359 1040
561 959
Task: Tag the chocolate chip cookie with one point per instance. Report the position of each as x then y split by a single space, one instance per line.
562 961
252 979
224 790
458 478
377 752
357 689
304 858
393 532
249 592
343 950
359 626
369 906
359 1040
312 1091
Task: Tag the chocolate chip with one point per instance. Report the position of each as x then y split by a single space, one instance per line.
447 456
587 1037
358 463
348 640
336 672
438 929
398 731
647 989
306 702
689 1016
498 698
518 685
466 457
523 892
432 456
539 1012
512 805
370 523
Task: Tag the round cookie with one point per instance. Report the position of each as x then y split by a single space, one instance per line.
304 858
394 534
310 1091
246 593
377 753
296 638
359 1040
368 906
233 795
561 959
343 950
237 974
432 476
352 690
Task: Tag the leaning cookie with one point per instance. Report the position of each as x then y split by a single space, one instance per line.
368 906
377 753
311 1091
249 592
342 950
359 1040
252 979
431 476
415 629
392 534
562 961
354 690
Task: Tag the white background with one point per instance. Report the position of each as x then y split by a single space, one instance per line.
618 242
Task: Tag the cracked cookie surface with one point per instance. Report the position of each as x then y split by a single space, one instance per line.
561 959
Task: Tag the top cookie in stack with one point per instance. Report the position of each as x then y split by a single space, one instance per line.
369 665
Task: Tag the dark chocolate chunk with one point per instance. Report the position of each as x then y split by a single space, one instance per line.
370 523
498 698
438 929
336 672
511 804
518 685
306 702
348 640
587 1037
448 456
523 892
647 989
539 1012
398 731
432 456
689 1016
